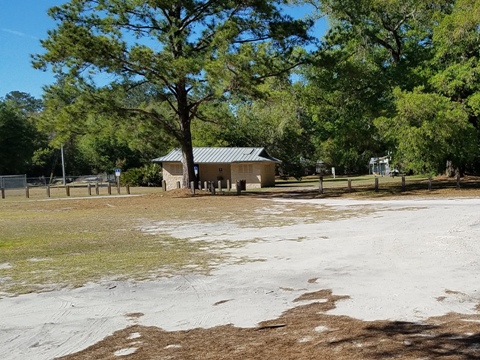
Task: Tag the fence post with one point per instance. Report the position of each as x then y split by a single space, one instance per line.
320 185
27 192
89 189
429 182
109 189
128 188
212 187
376 184
205 186
164 185
48 191
219 185
3 192
118 188
239 187
67 190
179 185
192 187
229 187
458 180
403 182
97 189
350 185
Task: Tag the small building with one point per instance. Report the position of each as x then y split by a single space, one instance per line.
252 164
379 165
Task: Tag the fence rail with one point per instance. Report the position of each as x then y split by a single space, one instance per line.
85 186
69 190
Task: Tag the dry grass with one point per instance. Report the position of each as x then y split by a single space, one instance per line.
305 332
46 244
389 187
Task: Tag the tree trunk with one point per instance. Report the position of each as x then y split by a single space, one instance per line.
449 169
187 161
186 142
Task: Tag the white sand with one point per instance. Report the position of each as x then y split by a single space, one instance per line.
395 263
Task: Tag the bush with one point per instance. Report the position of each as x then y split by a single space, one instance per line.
148 175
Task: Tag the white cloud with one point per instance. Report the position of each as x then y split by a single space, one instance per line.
18 33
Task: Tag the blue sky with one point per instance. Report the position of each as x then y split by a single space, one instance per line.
22 24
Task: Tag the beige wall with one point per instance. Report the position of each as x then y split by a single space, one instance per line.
215 172
257 174
171 176
268 174
253 175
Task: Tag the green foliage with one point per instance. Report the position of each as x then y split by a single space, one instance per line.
457 58
23 146
17 140
95 139
342 97
148 175
24 102
440 123
209 73
189 52
278 122
375 46
428 131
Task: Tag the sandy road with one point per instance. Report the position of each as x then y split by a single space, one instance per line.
406 260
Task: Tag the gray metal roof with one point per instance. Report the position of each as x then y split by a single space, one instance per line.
220 155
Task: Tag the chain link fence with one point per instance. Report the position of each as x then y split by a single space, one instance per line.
43 181
41 187
13 181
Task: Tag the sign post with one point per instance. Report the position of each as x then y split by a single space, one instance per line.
117 175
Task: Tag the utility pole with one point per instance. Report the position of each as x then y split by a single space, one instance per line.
63 166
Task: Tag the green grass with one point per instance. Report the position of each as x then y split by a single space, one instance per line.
69 242
51 248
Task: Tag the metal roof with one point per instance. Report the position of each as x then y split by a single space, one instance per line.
220 155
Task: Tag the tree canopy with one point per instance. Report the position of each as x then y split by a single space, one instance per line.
18 134
136 78
190 52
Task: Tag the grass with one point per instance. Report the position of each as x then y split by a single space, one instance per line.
47 244
342 181
363 186
69 242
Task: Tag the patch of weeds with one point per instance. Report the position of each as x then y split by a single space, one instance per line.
72 256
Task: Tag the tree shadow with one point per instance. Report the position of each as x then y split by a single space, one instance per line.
407 340
439 187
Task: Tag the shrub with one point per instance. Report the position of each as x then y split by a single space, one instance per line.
148 175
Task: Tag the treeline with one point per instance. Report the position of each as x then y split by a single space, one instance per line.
389 77
29 144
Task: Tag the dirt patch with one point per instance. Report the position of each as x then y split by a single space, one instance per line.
305 332
179 193
401 271
325 296
134 315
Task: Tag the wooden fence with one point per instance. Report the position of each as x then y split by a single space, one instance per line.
97 189
65 191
